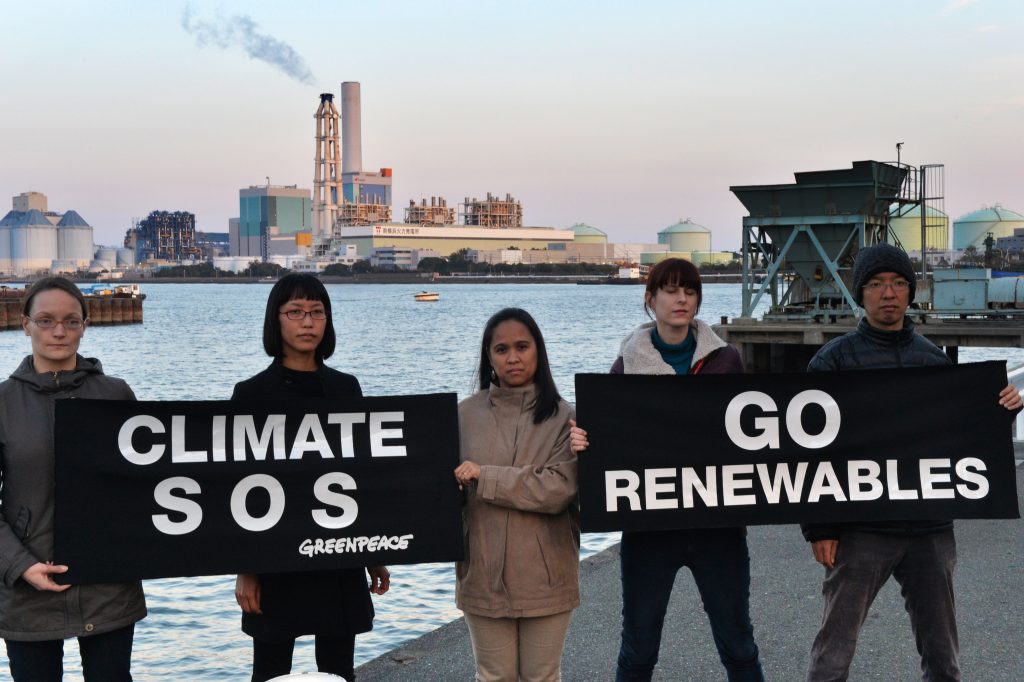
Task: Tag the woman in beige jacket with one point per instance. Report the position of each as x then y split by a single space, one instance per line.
519 581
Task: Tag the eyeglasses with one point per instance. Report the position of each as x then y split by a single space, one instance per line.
71 324
296 314
899 286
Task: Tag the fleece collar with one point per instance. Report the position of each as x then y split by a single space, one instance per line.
639 356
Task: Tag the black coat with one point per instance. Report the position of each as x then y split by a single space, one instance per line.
309 602
870 348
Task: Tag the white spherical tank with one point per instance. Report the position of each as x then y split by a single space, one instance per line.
972 228
33 244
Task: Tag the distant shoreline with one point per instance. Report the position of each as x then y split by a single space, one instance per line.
386 278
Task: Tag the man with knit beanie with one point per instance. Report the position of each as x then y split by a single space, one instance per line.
860 557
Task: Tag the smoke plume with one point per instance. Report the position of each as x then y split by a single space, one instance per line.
241 31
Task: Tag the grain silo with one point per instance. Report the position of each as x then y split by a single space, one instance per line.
6 224
74 240
33 243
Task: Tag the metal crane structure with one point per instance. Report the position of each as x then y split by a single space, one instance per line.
804 236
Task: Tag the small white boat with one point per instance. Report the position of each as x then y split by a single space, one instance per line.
427 296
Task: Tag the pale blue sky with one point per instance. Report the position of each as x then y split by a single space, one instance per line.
626 116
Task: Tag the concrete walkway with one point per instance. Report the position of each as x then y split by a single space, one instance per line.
786 608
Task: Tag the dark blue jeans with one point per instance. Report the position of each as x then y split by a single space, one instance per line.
105 658
720 564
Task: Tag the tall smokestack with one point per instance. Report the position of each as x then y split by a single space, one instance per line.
326 177
351 129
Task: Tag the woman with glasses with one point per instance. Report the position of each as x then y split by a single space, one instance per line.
37 613
676 342
519 581
333 605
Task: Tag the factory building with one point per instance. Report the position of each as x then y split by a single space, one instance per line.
1012 244
363 217
972 228
447 240
273 220
34 239
164 236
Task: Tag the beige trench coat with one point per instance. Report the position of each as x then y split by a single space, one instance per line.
521 519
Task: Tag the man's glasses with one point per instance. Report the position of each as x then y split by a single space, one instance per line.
899 286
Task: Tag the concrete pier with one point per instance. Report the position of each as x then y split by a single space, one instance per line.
771 346
786 610
103 310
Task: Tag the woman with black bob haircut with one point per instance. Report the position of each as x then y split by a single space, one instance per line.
36 612
520 580
332 605
676 342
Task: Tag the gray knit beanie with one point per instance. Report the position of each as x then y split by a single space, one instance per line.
881 258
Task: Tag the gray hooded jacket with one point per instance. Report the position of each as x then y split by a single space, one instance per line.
27 512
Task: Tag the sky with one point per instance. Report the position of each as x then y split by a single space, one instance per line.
625 116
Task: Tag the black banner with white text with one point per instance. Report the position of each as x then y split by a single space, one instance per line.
163 489
745 449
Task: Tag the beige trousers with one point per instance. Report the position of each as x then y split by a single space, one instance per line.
518 649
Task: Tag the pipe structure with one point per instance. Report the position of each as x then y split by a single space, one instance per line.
326 174
351 129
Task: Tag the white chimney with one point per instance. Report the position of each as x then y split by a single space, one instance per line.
351 129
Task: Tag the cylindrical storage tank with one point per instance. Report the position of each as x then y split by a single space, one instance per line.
1006 292
74 239
125 258
972 228
75 244
33 243
5 248
686 235
585 234
107 257
95 309
907 229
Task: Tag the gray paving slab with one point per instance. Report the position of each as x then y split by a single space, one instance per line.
786 608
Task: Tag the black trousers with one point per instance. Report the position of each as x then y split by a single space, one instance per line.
334 655
105 658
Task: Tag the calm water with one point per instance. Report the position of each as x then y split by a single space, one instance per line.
198 340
